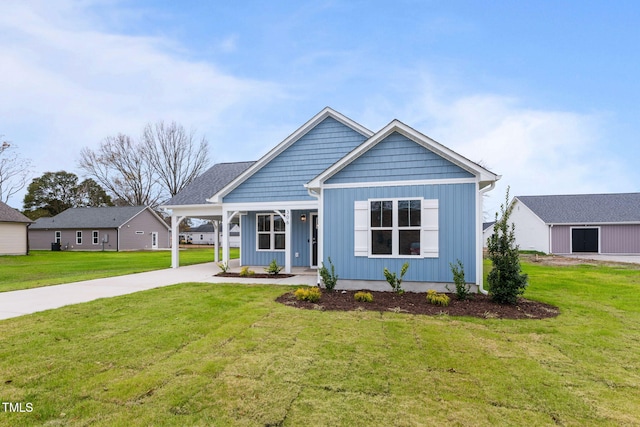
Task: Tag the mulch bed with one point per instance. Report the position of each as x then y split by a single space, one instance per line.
415 303
257 275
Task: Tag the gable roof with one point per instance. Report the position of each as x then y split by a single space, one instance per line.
208 184
290 140
106 217
8 214
585 208
485 176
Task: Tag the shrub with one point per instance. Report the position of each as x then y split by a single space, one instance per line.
363 296
224 266
329 278
506 282
273 268
394 280
462 288
437 299
245 272
308 294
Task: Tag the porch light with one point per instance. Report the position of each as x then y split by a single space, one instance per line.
303 218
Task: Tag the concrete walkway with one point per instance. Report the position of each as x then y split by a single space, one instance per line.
18 303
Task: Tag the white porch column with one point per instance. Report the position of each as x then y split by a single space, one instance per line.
225 236
175 240
286 217
216 228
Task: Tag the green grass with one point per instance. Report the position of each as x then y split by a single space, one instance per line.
45 268
227 355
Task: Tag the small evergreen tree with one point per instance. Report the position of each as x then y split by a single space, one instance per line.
506 281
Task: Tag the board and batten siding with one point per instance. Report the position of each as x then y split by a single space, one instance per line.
456 232
300 241
397 158
613 238
283 178
13 238
620 239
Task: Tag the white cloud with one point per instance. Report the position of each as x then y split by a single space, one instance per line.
536 151
66 85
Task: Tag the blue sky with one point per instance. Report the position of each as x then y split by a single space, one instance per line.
543 93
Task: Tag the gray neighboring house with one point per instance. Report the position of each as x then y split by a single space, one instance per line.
578 223
13 231
123 228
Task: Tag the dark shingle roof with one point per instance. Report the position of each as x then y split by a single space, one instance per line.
108 217
208 184
8 214
585 208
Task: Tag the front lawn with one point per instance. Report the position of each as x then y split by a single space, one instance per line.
227 355
45 268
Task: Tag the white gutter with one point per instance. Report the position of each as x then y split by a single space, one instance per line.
479 270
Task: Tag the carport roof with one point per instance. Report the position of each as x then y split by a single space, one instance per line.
208 184
585 208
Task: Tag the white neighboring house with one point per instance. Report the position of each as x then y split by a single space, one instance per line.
578 223
204 234
13 231
487 231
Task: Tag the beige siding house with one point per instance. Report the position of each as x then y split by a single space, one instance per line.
13 231
93 229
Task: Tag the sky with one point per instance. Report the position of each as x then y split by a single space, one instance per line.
543 93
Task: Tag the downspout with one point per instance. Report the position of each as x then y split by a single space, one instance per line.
479 272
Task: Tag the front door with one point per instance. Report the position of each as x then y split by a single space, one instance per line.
584 240
154 240
314 240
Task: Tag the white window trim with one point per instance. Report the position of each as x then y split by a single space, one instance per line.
429 228
78 237
57 236
272 233
95 237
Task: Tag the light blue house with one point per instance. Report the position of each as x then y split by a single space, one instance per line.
367 200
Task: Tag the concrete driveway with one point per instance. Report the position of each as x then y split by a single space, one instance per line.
18 303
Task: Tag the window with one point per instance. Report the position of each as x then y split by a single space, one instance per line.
58 237
270 232
95 237
78 237
396 228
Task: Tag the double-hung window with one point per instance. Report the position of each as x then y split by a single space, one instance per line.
270 232
78 237
403 227
95 237
395 227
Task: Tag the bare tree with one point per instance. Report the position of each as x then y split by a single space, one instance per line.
174 155
14 171
120 165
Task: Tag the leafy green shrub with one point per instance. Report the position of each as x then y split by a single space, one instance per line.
224 266
394 280
308 294
245 272
506 282
363 296
437 299
329 278
273 268
462 288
